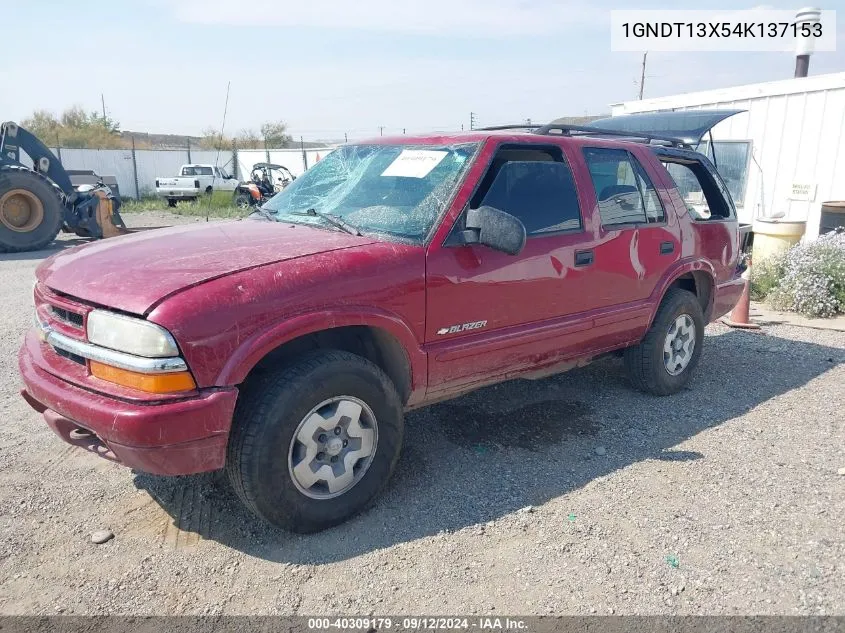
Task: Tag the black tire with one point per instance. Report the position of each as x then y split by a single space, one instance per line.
269 411
645 362
52 212
243 200
209 190
171 202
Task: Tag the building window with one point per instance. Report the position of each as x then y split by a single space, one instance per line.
732 164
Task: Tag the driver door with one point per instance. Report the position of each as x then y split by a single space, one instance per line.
490 314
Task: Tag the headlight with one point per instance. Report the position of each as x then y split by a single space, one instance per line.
130 335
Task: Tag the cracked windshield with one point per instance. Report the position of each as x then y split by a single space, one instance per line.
398 190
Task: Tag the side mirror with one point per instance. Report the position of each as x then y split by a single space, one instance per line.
494 228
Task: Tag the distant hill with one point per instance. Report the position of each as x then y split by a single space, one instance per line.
160 141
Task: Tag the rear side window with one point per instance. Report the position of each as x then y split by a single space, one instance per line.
624 191
705 196
540 193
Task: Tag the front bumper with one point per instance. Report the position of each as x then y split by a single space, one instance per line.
177 194
173 437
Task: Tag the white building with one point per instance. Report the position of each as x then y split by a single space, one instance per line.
786 153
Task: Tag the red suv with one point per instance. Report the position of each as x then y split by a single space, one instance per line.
394 273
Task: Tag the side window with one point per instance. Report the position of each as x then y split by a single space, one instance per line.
704 194
731 159
534 186
653 207
624 191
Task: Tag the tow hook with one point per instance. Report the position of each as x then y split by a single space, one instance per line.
80 434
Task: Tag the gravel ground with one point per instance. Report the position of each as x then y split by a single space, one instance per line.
570 495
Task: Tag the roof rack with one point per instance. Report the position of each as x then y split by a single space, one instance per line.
585 130
494 128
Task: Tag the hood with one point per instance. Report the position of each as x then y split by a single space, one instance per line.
135 272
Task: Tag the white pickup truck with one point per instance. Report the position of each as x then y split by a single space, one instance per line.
193 181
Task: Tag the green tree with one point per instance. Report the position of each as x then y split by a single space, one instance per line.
75 128
275 134
43 124
212 139
249 139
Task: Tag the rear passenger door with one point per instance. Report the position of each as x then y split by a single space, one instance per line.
491 314
638 239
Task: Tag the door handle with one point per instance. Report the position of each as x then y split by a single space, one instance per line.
583 258
667 247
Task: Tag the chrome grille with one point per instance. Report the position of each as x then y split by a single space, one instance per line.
71 318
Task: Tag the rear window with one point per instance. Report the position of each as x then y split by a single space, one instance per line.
197 171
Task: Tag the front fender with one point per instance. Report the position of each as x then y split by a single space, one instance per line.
257 346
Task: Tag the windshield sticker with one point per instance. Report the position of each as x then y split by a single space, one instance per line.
414 163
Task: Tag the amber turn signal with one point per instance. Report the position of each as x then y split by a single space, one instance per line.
151 383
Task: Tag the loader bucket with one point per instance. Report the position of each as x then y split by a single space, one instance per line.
108 218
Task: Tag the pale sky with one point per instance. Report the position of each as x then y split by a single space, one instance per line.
332 66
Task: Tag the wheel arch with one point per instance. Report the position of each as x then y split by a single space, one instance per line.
384 340
697 277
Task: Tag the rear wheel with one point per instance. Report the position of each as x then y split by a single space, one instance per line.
312 444
171 202
31 212
242 200
663 363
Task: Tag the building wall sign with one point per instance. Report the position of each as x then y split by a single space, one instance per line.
805 191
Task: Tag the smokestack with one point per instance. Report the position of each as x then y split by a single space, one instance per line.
804 45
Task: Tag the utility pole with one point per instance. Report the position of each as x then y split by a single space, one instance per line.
642 76
472 120
345 137
381 130
103 99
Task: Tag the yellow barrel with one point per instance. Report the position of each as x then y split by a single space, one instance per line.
774 236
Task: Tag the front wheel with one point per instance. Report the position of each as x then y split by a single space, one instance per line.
312 444
663 362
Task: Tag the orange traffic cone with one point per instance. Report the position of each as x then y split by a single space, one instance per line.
739 316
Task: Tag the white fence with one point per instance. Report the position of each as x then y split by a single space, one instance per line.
136 177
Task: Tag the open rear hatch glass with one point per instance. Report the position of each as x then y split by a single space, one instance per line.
689 126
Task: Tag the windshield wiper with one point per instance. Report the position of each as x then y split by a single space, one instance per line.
265 213
334 220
